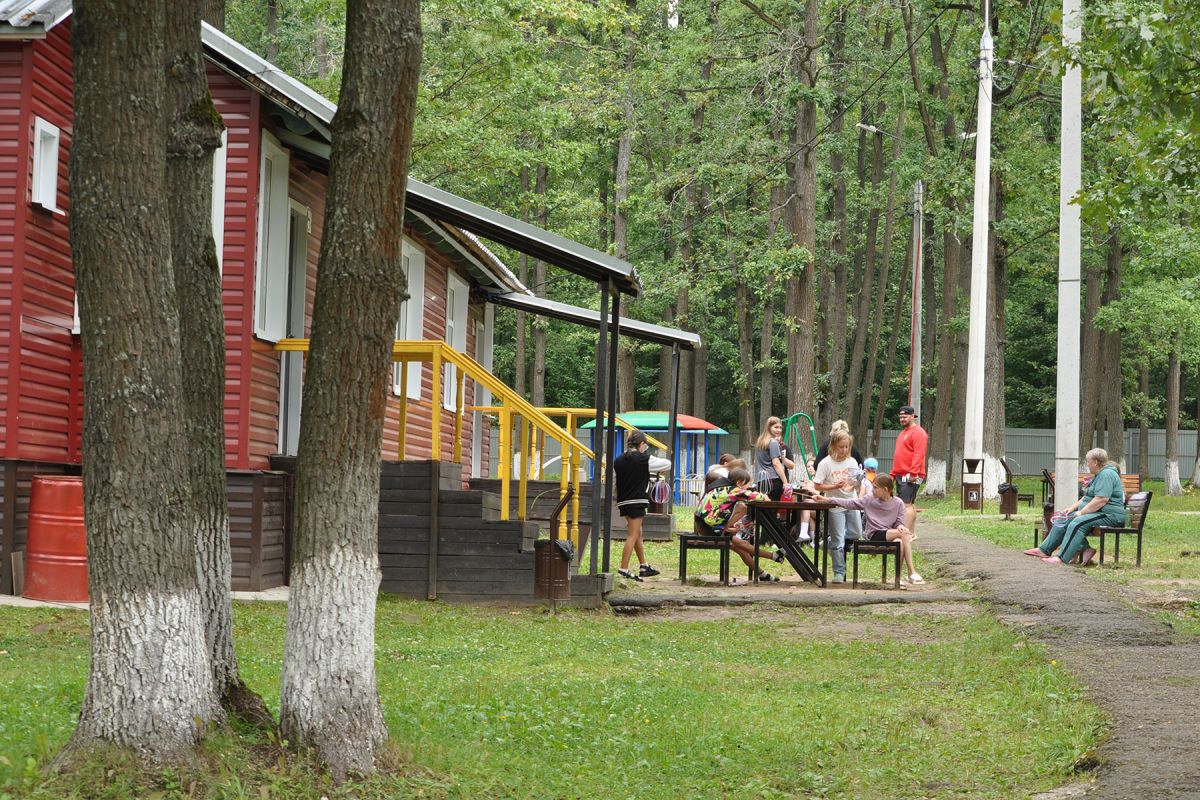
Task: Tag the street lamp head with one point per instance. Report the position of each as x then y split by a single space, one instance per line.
866 127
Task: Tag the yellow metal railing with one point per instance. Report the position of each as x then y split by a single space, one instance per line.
573 417
530 423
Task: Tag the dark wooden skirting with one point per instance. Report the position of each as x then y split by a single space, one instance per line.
259 528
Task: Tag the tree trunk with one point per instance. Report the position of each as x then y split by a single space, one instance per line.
1171 473
1091 366
893 341
745 383
520 360
150 686
272 31
939 433
213 12
961 351
1144 424
862 312
537 394
875 319
1111 398
929 313
329 700
625 363
802 222
194 134
665 366
834 274
994 345
766 341
1196 469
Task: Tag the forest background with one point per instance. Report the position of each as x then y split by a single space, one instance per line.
756 161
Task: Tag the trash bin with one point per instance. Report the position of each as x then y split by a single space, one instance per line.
552 568
1008 499
56 548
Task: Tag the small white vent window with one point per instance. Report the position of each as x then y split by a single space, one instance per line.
45 164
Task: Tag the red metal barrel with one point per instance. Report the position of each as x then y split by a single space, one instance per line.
56 549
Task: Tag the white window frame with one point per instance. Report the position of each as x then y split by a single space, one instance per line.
44 188
458 318
411 324
220 166
271 266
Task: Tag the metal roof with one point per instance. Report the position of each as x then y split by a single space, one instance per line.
436 203
637 329
24 13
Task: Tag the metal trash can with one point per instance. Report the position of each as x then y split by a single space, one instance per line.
552 569
1008 499
56 550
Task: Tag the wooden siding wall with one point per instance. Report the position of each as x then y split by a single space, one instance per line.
16 480
419 444
45 421
239 107
15 136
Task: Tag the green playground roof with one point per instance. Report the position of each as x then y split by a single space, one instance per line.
656 421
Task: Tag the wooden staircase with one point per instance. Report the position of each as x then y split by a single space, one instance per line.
440 541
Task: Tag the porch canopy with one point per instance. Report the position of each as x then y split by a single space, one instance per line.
646 331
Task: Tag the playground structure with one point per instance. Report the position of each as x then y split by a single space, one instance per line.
794 428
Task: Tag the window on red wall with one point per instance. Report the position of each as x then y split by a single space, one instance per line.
45 165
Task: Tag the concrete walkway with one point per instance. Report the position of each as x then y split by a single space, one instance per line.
1134 667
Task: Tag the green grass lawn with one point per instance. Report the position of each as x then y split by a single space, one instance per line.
1172 528
772 703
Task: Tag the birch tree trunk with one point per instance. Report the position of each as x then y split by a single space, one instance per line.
1171 472
328 696
194 134
150 687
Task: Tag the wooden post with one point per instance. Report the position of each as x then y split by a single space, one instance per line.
524 430
8 535
610 437
505 460
565 465
435 530
458 416
402 419
436 422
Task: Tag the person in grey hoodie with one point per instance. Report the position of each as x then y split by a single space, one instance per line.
884 518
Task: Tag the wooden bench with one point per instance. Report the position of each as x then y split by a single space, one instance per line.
1138 505
1131 483
872 549
703 537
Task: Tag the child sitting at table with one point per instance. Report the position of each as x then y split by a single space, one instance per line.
884 519
724 511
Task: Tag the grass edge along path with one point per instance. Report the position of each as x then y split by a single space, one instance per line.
500 703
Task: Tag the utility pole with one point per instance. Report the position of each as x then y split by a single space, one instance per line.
1066 444
914 367
973 424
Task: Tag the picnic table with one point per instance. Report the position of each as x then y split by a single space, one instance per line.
769 527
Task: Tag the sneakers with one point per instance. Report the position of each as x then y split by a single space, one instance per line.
804 538
624 573
766 577
647 571
779 556
915 579
839 579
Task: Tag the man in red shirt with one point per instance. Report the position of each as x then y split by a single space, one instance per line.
908 464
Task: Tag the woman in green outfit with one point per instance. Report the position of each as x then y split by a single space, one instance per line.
1102 503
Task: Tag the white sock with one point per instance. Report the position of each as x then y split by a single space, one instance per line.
803 530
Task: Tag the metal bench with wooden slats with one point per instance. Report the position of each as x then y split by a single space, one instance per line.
1138 505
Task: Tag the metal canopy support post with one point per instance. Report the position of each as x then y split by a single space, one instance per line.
1066 445
610 436
673 426
598 443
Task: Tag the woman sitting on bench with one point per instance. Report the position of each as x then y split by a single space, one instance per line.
1102 503
723 510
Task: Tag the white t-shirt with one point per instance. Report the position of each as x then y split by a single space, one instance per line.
830 471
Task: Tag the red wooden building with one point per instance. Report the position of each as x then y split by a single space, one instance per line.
270 179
